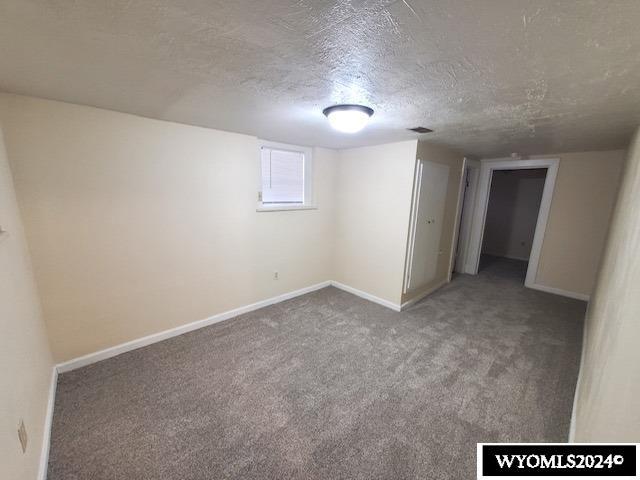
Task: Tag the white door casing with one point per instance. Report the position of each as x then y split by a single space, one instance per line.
482 201
472 175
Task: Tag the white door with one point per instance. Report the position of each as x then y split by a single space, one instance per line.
472 170
430 191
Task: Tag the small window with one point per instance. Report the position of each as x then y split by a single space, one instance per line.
285 177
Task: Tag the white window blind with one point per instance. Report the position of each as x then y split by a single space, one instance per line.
282 176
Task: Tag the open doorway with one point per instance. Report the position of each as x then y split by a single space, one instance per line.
510 222
473 249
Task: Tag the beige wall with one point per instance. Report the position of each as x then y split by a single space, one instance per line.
26 361
373 196
608 397
455 161
512 214
136 226
583 200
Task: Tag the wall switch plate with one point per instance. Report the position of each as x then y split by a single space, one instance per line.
22 436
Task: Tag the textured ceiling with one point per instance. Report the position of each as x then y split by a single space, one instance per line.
491 77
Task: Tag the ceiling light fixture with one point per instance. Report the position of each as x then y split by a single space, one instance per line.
348 118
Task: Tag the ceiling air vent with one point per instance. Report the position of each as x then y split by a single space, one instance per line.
421 130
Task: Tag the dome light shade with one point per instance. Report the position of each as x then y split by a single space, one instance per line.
348 118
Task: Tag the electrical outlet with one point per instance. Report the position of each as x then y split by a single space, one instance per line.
22 436
275 275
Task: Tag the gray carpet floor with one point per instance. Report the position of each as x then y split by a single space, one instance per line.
330 386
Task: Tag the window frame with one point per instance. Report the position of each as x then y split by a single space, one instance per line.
308 200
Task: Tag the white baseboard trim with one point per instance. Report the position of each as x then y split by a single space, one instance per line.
366 296
416 299
173 332
572 425
48 421
559 291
